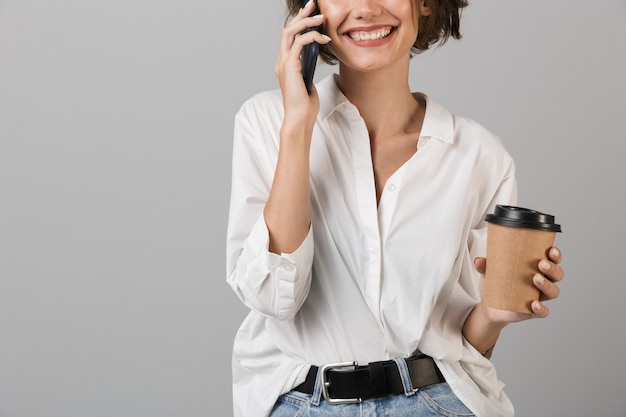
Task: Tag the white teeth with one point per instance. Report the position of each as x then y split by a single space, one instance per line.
370 36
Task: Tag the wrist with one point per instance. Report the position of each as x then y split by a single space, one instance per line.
481 330
488 319
298 131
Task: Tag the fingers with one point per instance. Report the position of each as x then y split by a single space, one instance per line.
555 255
550 274
551 270
295 32
539 310
302 21
293 39
549 290
304 39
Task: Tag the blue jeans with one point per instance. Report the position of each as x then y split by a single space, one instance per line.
431 401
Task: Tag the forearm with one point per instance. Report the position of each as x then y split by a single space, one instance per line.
287 212
480 331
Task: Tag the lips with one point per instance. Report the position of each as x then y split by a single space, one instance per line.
371 34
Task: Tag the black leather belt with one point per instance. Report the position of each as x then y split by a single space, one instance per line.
350 382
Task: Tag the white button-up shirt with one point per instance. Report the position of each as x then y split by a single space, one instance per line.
370 282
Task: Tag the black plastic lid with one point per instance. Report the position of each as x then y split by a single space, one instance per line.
522 217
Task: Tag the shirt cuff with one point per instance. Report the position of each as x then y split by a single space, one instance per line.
287 275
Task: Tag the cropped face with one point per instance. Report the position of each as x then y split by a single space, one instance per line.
370 34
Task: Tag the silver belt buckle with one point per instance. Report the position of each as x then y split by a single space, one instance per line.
325 383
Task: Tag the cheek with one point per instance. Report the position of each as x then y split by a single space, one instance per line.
332 11
413 11
330 25
415 22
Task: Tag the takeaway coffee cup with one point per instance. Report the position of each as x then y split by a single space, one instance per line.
517 238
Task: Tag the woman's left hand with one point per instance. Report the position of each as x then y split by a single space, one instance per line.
546 281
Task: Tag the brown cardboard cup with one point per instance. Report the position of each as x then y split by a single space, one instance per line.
517 239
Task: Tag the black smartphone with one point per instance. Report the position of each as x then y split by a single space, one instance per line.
309 55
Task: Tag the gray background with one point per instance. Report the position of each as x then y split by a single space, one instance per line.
115 145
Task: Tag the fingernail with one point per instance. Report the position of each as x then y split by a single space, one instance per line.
327 38
317 16
555 252
545 265
536 306
307 4
539 279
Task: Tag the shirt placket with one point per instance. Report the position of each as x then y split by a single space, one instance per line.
366 201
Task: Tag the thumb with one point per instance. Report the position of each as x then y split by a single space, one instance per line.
480 264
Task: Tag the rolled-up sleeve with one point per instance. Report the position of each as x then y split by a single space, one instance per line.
271 284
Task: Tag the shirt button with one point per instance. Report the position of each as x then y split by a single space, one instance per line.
288 268
392 187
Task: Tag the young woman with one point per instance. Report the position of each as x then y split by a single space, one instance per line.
356 234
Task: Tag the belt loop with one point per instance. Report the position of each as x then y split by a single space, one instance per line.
316 398
404 376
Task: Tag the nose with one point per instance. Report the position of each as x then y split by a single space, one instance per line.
366 9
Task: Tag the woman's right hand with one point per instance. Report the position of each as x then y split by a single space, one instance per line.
300 108
287 211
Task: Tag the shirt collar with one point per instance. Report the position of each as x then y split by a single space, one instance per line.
438 121
331 97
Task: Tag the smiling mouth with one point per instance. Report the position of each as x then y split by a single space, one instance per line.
370 35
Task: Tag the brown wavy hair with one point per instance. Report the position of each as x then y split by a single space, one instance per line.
443 22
